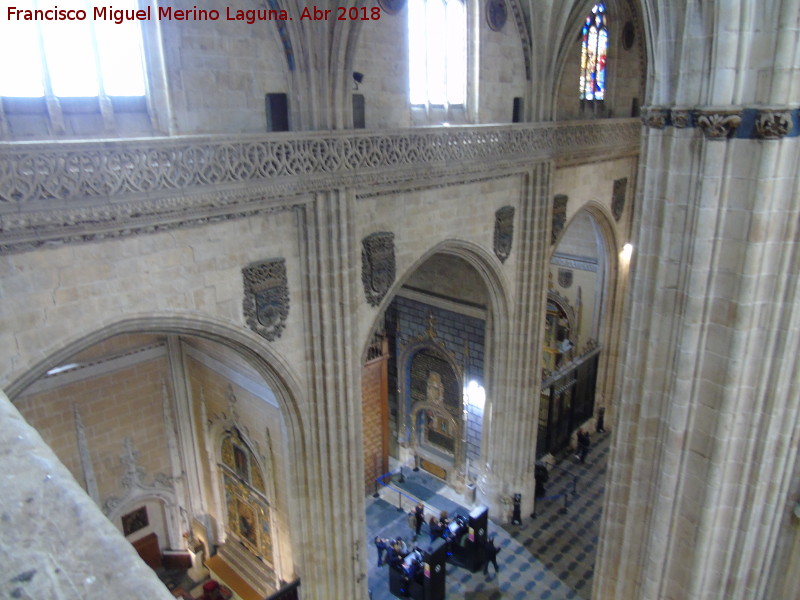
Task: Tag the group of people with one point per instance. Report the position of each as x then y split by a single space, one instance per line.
438 527
391 551
398 554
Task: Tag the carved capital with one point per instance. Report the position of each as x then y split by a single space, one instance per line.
773 124
655 117
681 117
719 124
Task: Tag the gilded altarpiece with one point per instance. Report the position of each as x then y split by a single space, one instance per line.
249 518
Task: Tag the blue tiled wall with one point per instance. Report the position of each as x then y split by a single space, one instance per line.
459 334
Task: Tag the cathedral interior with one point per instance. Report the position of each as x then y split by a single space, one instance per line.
260 261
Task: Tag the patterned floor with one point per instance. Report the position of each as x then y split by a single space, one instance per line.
550 556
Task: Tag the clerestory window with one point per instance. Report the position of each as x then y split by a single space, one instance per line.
594 46
437 46
64 51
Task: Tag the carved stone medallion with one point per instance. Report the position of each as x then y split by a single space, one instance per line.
503 232
392 7
618 197
496 14
719 125
377 265
266 297
565 278
559 216
773 124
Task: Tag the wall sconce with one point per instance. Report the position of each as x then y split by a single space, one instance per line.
358 78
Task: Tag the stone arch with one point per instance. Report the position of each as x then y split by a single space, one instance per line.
485 264
275 371
270 365
490 271
609 236
620 11
165 499
614 285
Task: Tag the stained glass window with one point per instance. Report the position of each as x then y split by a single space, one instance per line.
594 45
437 51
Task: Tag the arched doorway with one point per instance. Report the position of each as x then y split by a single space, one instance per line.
580 281
437 329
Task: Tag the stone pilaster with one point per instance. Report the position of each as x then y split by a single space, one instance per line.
335 459
511 426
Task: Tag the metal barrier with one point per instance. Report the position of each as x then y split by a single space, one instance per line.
564 495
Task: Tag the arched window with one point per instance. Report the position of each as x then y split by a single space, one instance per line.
594 46
437 52
71 51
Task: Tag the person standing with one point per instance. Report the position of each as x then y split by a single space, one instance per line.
434 528
380 545
490 556
600 426
419 518
583 445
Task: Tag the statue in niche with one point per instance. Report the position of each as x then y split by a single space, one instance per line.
435 389
437 429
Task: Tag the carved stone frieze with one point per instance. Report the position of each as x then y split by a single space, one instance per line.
773 124
73 192
718 124
377 265
503 232
655 117
559 216
84 170
574 262
266 297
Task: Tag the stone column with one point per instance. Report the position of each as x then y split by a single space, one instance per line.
700 486
333 413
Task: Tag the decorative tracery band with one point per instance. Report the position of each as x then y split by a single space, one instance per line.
31 173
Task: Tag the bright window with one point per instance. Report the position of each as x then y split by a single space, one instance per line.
71 58
437 48
594 45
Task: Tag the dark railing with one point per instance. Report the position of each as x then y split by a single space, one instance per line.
400 494
565 495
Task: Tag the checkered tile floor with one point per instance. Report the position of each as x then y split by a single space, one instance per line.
550 556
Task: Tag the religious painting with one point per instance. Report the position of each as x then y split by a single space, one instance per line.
240 462
248 522
134 521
